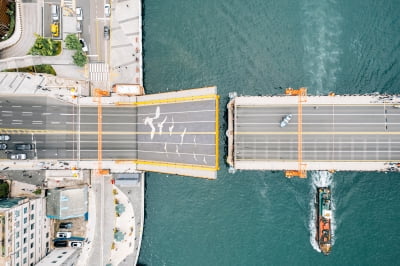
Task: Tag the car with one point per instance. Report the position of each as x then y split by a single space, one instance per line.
61 244
106 32
3 146
79 13
55 11
64 234
286 120
84 45
19 156
66 225
24 146
78 27
54 28
107 10
4 137
75 244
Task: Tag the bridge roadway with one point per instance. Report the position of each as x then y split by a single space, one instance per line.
330 133
180 132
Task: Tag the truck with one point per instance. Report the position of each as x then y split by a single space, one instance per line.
55 29
128 89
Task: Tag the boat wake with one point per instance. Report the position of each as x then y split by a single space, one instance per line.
320 179
322 29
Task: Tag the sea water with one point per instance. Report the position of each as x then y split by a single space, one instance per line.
260 47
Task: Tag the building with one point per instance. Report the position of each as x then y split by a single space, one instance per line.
61 257
67 203
24 231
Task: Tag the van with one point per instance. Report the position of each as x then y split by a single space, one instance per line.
55 10
20 156
24 147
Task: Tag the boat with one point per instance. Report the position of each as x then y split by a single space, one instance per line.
324 214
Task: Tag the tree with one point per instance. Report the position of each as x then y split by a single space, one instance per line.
72 42
80 58
44 46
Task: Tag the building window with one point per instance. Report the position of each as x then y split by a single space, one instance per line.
17 264
32 245
17 213
31 255
32 264
25 249
25 220
64 252
32 216
17 234
59 257
32 226
47 235
17 224
17 254
24 240
17 245
25 209
24 230
32 207
32 236
54 261
24 261
47 244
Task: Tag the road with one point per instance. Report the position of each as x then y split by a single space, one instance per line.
181 133
330 133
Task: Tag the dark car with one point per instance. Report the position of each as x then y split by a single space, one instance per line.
3 146
24 147
106 32
66 225
61 244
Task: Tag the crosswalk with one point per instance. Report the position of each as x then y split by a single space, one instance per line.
98 72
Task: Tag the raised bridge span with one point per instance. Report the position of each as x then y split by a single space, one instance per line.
360 133
174 132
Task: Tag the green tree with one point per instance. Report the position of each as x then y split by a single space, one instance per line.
44 46
72 42
80 58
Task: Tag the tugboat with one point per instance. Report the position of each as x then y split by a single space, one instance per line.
324 215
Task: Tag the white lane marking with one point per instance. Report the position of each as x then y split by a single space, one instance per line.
68 114
37 121
27 114
36 106
182 135
6 111
17 120
6 115
160 125
16 106
204 160
149 121
183 112
177 151
55 122
165 149
194 156
171 127
46 113
143 142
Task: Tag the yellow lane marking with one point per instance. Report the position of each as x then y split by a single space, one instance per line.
55 132
295 161
175 165
171 100
320 133
217 132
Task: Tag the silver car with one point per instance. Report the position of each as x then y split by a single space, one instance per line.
19 156
4 137
286 120
3 146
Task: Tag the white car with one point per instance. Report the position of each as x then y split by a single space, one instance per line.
84 45
76 244
286 120
78 27
4 137
107 10
64 234
79 13
19 156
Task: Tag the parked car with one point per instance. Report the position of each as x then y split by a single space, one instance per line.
79 13
286 120
76 244
61 244
24 146
84 45
107 10
19 156
4 137
64 234
66 225
3 146
78 27
55 12
106 32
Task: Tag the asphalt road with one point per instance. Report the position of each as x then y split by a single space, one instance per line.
330 133
168 133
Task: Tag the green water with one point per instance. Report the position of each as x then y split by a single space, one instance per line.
261 47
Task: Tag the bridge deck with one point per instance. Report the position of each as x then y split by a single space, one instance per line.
338 132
